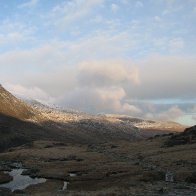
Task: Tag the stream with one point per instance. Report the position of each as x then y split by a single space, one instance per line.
20 181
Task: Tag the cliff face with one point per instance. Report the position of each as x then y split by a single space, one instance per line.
11 106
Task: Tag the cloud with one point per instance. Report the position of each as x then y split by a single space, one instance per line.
34 93
171 114
139 4
98 19
98 100
99 87
125 2
84 56
157 18
176 44
33 58
104 73
194 108
114 7
131 109
194 117
94 100
29 4
166 77
13 37
194 9
70 11
15 33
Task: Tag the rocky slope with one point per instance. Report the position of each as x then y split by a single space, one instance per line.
148 128
98 126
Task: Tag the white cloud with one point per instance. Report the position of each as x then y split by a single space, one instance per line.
173 45
170 114
13 37
173 113
29 4
99 82
193 109
139 4
34 93
101 73
70 11
45 56
97 19
100 87
176 44
166 77
99 100
94 100
194 10
125 2
157 18
12 33
194 117
171 9
114 7
131 109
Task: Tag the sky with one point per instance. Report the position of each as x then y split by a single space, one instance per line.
127 57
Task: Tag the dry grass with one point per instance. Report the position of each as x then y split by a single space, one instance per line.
121 168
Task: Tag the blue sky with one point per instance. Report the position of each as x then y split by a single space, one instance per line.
114 56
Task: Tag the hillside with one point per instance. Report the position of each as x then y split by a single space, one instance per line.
11 106
21 123
148 128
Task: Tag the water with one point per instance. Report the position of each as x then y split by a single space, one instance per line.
72 174
19 181
65 185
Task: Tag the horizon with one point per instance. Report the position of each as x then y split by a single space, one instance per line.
135 58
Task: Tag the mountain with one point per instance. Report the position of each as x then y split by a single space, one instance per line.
22 122
145 128
11 106
148 128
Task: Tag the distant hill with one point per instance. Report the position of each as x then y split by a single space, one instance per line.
148 128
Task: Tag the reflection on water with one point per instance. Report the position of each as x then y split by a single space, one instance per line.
19 181
72 174
65 185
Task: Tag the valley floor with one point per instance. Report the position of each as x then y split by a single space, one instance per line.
121 168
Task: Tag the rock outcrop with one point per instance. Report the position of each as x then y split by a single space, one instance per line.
187 137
